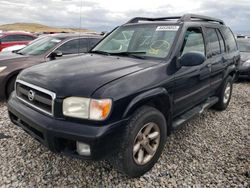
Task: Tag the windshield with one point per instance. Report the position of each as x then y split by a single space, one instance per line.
142 40
244 46
40 46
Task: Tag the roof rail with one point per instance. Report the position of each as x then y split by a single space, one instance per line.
190 17
184 18
137 19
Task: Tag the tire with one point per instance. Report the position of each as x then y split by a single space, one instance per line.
128 161
224 94
10 86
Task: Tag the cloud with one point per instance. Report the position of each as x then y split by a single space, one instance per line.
107 14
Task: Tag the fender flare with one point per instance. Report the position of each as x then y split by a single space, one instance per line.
147 96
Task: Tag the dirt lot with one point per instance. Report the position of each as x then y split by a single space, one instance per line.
212 150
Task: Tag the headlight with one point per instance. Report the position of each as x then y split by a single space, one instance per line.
246 63
2 68
86 108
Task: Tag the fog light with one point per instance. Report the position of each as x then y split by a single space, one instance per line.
83 149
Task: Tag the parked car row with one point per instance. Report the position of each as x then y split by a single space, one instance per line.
43 49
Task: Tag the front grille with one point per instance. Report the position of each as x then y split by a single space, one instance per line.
36 97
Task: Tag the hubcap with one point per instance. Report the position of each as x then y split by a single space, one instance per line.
146 143
227 93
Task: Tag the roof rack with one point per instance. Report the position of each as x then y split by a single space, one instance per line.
184 18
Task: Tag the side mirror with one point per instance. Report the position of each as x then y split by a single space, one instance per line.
192 59
55 54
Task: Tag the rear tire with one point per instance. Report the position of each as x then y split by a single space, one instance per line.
146 129
10 86
224 94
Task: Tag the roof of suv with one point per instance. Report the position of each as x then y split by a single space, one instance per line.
177 19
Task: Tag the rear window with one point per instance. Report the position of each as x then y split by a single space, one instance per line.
213 42
229 39
15 38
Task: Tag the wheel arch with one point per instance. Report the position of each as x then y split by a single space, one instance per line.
8 79
158 98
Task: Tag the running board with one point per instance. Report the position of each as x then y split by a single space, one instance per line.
194 111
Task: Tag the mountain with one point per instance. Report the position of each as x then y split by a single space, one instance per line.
34 27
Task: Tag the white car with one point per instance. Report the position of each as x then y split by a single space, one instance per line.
12 48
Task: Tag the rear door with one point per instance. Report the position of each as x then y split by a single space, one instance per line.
215 53
192 83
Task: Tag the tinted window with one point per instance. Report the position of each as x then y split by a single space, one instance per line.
13 38
74 46
25 37
93 42
193 41
229 39
222 44
213 42
9 38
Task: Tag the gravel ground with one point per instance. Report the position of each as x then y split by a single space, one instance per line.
212 150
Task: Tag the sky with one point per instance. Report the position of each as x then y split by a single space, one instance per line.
104 15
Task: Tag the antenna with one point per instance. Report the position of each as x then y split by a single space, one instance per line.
80 26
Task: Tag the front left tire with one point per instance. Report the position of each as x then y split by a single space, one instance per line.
142 144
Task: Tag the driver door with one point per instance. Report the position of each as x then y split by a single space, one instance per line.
192 83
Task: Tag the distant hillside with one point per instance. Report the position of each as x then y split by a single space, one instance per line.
33 27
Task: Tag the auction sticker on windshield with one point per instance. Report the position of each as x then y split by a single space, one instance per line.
167 28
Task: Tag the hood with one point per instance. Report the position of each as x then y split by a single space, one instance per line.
82 75
8 57
245 56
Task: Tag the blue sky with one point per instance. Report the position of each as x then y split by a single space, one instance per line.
103 15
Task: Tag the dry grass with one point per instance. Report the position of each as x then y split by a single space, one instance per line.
33 27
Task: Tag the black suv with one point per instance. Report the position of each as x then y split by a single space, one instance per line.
121 100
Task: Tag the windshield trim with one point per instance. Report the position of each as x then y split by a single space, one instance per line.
150 23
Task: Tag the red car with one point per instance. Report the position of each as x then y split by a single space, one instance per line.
8 39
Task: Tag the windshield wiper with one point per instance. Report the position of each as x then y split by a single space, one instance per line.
100 52
131 53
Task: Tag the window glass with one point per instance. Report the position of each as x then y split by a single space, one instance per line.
213 42
142 40
244 45
26 37
93 42
9 38
193 41
74 46
13 38
40 46
222 45
229 39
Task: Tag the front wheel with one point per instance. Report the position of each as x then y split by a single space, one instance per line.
225 94
143 142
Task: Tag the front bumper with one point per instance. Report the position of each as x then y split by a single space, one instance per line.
244 72
60 136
